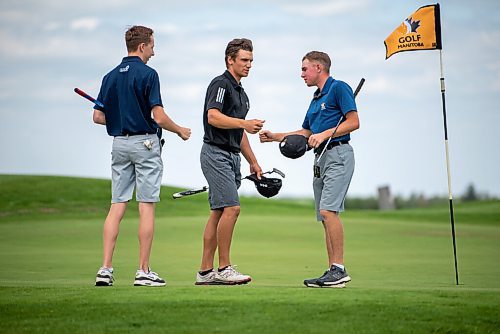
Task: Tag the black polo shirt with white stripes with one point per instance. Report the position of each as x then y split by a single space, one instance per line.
229 97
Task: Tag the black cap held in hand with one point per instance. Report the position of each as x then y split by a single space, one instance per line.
266 186
293 146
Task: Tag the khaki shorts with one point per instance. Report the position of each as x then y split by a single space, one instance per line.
133 165
330 188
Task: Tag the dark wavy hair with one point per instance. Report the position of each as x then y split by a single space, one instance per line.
235 45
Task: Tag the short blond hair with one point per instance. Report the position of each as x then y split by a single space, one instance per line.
319 57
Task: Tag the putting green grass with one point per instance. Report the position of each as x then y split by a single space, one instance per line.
401 264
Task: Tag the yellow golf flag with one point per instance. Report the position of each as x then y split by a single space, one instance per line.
420 31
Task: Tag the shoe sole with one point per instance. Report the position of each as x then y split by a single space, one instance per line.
340 281
311 285
149 283
208 283
234 282
101 283
341 285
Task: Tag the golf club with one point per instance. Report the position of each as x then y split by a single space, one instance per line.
189 192
88 97
194 191
277 171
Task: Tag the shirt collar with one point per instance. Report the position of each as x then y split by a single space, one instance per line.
228 75
326 88
132 59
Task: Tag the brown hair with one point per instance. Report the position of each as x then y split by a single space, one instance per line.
137 35
319 57
235 45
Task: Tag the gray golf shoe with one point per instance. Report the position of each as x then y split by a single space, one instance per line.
332 278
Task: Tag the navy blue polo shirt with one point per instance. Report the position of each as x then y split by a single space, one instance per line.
228 96
328 105
129 92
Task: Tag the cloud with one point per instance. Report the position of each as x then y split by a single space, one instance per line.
52 26
14 16
166 28
325 8
85 23
186 92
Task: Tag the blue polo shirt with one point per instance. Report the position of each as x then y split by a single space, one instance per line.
328 105
129 92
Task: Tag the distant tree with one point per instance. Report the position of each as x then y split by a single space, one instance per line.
470 194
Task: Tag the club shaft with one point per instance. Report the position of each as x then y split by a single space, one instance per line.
189 192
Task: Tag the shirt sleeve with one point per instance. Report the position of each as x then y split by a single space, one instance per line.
345 98
100 97
217 92
154 96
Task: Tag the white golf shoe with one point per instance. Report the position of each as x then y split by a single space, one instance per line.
231 276
208 279
104 277
148 279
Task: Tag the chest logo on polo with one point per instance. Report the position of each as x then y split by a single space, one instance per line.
124 69
323 106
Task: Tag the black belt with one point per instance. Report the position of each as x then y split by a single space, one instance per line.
129 134
331 145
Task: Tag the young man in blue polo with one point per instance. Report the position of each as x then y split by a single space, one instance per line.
133 114
332 100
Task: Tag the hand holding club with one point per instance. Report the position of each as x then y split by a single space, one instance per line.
316 139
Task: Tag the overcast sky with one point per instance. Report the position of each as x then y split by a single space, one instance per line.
49 47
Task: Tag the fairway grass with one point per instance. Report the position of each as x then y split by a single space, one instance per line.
401 264
250 309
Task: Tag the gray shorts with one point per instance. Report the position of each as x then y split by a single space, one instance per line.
222 172
134 165
336 168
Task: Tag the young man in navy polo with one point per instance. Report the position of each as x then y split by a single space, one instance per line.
226 106
333 172
133 114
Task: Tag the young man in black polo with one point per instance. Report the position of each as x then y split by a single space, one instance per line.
133 114
226 106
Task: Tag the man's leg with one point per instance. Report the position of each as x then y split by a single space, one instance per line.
336 276
146 230
144 276
329 248
210 240
225 233
334 235
110 232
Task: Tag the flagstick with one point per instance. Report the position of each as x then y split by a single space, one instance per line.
452 219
